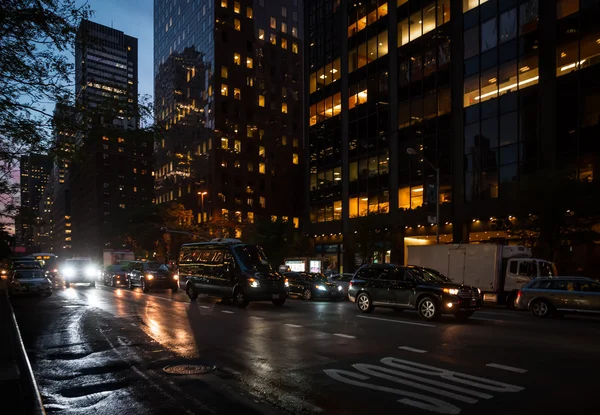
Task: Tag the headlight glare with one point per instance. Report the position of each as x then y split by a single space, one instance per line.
149 276
321 287
69 272
253 283
175 277
339 288
286 282
90 271
451 291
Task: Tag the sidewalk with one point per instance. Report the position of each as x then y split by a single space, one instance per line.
18 390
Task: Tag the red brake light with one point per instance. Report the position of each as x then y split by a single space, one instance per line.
350 284
518 294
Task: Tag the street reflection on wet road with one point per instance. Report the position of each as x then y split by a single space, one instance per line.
284 355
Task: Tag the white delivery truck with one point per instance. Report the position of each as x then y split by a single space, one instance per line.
499 271
114 257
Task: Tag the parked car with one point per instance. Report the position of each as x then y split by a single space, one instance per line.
115 275
398 287
546 296
343 280
230 269
150 275
311 286
29 281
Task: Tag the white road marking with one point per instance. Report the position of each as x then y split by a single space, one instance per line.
227 312
204 306
292 325
300 402
346 336
496 314
397 321
411 349
256 318
455 386
509 368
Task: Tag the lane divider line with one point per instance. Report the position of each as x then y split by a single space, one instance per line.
227 312
509 368
412 349
292 325
346 336
231 371
256 318
204 306
397 321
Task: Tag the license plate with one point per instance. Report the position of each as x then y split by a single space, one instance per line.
473 302
275 296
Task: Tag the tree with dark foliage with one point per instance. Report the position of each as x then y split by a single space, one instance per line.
36 38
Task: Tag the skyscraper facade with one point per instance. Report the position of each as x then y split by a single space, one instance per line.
111 173
228 90
488 92
34 174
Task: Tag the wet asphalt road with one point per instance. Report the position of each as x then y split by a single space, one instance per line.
103 350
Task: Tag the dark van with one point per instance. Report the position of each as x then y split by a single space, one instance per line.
230 269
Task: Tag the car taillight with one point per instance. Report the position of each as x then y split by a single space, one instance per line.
518 294
350 284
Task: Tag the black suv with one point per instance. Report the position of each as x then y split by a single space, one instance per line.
230 269
427 291
149 274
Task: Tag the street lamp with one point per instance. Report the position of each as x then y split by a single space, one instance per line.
202 194
412 152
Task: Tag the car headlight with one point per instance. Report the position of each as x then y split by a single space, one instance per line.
321 287
478 291
339 288
69 272
451 291
176 277
90 271
253 283
286 282
149 276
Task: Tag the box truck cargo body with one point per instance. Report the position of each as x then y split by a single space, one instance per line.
499 271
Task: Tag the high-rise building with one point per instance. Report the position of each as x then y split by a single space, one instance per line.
34 174
488 92
228 90
111 173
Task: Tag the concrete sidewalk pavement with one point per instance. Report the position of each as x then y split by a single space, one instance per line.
18 390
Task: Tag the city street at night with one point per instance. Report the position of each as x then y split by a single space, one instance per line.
104 350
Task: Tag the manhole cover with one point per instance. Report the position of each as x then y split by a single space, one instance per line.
189 369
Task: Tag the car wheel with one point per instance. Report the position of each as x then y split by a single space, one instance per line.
191 292
130 284
307 294
279 302
428 309
510 301
239 298
463 315
145 287
174 289
113 282
363 302
540 308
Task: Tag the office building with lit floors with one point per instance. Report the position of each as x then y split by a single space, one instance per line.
482 96
111 174
228 93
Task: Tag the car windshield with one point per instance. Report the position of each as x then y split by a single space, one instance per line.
431 275
20 275
252 258
156 266
318 277
78 262
115 268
